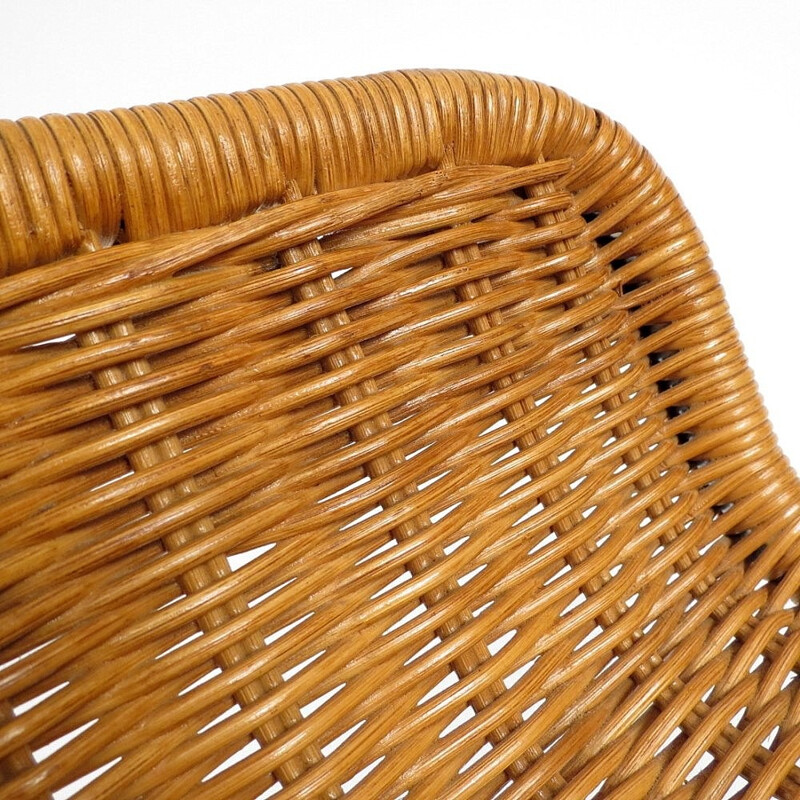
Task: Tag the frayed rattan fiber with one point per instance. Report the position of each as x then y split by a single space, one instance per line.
380 438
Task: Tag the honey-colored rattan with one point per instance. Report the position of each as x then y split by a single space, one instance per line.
380 438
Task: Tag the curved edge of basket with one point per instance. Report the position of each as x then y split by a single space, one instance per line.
132 174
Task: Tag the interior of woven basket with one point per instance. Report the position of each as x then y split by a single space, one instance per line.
451 486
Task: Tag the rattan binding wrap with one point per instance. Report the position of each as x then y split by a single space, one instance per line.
380 438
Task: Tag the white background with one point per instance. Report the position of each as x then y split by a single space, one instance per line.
710 87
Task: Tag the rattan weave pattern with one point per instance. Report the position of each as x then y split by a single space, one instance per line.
387 437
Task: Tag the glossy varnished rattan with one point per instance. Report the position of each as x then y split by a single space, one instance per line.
386 438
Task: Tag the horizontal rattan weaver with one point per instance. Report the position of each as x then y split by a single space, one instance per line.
385 437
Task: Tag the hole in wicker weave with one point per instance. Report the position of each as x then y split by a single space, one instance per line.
387 545
631 601
440 515
708 545
463 580
737 536
351 783
172 601
464 716
676 732
676 411
720 509
281 632
737 717
684 437
200 681
317 703
593 634
32 651
649 330
574 603
485 748
451 679
298 668
271 792
424 649
519 673
346 489
333 745
672 578
560 574
251 747
770 738
376 509
754 556
737 787
480 609
659 356
29 704
68 337
702 763
179 644
518 484
238 560
402 578
757 662
632 286
666 384
619 263
510 453
50 748
562 457
532 709
422 485
596 791
405 619
649 626
228 712
496 425
502 790
608 666
538 508
71 789
553 428
453 546
274 590
498 644
552 745
116 479
606 238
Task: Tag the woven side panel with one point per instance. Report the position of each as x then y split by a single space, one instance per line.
436 472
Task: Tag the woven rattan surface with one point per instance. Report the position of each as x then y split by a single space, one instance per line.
380 438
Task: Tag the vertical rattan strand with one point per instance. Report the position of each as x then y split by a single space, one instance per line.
200 576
